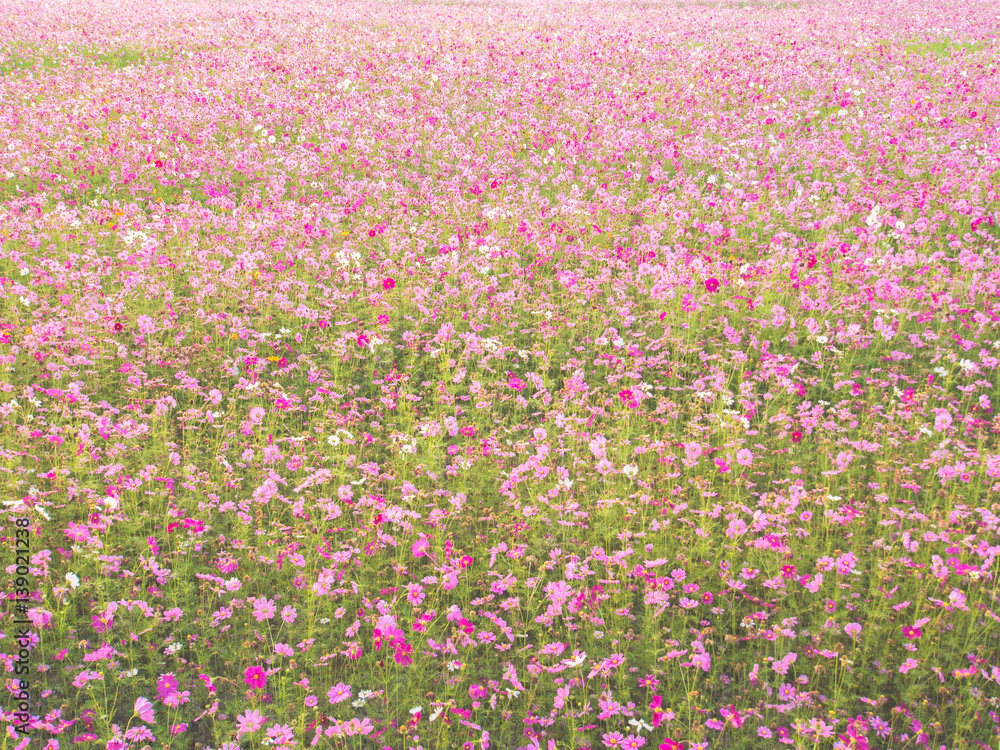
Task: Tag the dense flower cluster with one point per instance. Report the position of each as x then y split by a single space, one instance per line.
603 375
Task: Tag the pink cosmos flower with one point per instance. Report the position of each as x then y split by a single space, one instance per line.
943 420
655 706
415 594
388 283
249 722
264 609
712 285
854 740
477 692
562 694
166 685
144 710
421 547
339 693
208 682
255 677
613 739
402 653
281 734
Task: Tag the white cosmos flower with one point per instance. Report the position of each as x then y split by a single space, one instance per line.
639 725
73 580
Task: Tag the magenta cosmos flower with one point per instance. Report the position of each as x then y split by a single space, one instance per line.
388 283
255 677
712 285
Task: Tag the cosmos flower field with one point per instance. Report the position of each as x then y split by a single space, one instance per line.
500 375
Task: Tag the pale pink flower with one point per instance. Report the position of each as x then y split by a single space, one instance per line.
144 710
250 721
339 693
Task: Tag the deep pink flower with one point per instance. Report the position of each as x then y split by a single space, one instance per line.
712 285
655 706
388 283
628 398
420 547
476 692
796 436
402 654
166 685
854 741
255 677
731 714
